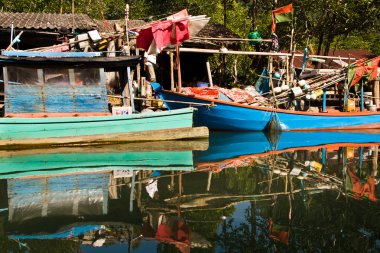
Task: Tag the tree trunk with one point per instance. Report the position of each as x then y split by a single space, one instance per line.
320 42
330 39
225 12
254 15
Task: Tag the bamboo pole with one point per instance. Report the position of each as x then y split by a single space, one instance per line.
209 181
213 51
209 74
178 69
131 197
375 156
230 39
172 85
376 92
138 71
270 67
126 23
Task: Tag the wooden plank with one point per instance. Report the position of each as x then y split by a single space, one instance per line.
153 135
143 146
50 54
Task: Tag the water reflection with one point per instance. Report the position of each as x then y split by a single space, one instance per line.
246 193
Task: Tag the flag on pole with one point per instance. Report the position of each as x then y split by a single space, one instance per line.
283 14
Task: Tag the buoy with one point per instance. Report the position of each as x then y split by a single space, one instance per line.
277 90
284 87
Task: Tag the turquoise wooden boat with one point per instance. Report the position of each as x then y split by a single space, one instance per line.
103 158
166 125
49 101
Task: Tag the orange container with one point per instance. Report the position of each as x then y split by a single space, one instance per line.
350 105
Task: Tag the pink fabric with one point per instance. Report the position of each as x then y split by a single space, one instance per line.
62 48
162 33
172 31
181 32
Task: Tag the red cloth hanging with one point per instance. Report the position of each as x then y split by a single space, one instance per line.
181 32
145 38
162 33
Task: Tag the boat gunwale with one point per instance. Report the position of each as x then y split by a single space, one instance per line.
83 119
266 109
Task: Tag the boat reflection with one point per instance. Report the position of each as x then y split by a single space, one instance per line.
248 192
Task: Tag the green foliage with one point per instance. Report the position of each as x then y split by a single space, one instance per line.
322 25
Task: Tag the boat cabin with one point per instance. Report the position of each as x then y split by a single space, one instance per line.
57 86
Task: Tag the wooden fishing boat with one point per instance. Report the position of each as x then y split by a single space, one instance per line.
225 115
246 149
228 146
163 155
64 101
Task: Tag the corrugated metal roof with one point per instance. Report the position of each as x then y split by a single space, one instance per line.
46 21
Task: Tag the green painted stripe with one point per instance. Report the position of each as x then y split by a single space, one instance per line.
95 161
98 125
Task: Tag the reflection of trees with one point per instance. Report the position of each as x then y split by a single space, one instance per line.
43 246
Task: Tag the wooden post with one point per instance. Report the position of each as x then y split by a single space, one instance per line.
324 101
138 71
72 13
143 87
130 88
271 80
376 92
126 23
209 74
324 155
375 156
131 197
291 78
41 80
179 70
172 85
287 71
362 97
148 94
209 181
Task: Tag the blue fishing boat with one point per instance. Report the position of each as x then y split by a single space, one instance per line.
231 145
225 115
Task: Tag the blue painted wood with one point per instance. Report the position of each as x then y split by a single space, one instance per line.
55 98
50 54
233 116
226 145
324 101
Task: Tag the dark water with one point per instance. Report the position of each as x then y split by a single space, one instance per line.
248 192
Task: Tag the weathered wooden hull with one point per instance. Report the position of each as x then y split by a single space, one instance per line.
167 125
223 115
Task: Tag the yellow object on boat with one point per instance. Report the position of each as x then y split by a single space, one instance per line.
350 105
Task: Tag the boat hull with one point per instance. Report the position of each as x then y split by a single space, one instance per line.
233 116
168 125
220 116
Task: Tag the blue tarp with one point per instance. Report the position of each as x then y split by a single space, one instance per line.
262 85
72 232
